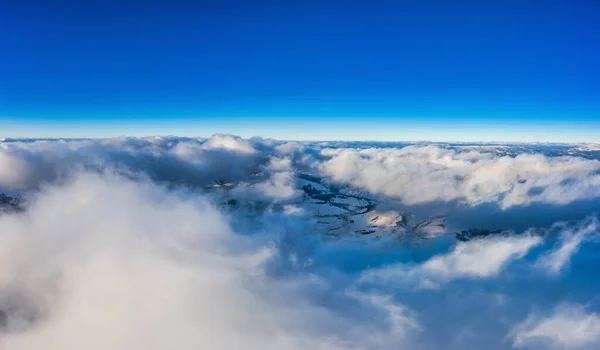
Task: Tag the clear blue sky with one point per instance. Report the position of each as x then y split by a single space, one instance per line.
379 70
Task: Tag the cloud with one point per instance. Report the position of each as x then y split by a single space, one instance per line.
14 170
230 143
570 241
568 327
414 174
180 161
102 262
417 174
142 243
281 184
480 258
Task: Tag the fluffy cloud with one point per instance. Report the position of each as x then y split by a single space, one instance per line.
230 143
142 243
481 258
414 174
571 239
181 161
568 327
281 183
15 170
419 175
107 263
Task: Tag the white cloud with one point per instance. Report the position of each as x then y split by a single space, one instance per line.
106 263
230 143
15 170
289 148
281 184
569 327
182 161
118 247
413 174
426 174
481 258
571 239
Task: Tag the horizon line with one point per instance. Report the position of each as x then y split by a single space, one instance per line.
42 138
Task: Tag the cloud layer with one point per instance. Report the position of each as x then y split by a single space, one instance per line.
568 327
419 175
483 258
190 243
107 263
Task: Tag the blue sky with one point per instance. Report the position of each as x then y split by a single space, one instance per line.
354 70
